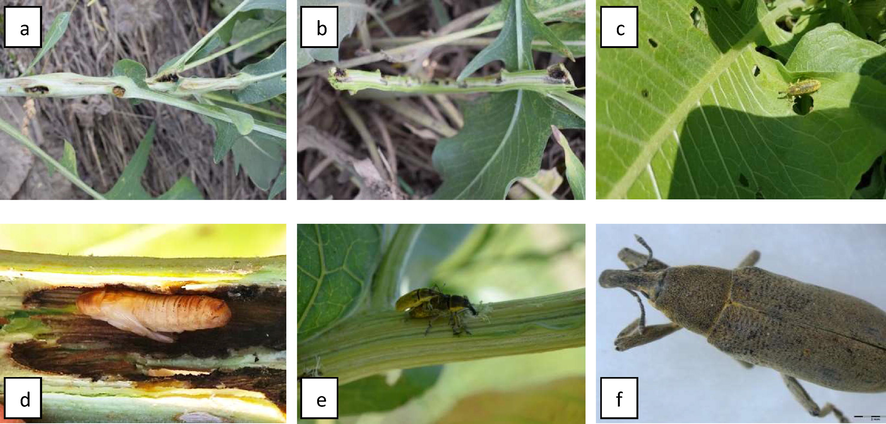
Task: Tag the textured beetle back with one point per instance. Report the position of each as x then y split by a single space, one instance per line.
805 331
785 298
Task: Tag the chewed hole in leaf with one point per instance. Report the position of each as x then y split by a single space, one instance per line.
653 43
756 70
804 104
645 93
695 14
743 181
786 23
766 51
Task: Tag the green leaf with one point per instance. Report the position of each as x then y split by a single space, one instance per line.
69 160
576 15
133 70
513 45
249 28
350 12
260 154
279 184
696 113
541 186
279 5
575 171
129 187
374 394
571 34
335 267
503 139
269 88
56 30
574 103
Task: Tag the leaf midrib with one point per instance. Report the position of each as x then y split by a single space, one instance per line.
693 97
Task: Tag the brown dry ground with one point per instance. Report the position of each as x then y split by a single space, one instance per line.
105 131
321 178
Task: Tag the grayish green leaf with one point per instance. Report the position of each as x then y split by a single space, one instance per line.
279 5
349 13
575 170
279 184
269 88
513 45
56 30
503 139
132 70
69 159
129 186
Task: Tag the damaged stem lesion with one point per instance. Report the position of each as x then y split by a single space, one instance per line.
553 79
70 85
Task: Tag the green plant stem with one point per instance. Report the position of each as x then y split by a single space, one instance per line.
434 42
542 81
390 271
370 343
387 42
49 160
68 85
254 108
176 66
232 47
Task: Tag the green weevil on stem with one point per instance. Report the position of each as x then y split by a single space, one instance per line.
803 331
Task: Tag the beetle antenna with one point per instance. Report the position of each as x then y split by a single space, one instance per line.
642 326
648 249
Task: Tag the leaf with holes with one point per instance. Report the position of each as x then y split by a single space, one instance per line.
335 267
695 111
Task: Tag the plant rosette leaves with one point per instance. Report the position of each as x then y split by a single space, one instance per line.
335 267
504 138
695 112
350 12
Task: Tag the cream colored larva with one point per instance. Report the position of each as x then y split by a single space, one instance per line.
150 315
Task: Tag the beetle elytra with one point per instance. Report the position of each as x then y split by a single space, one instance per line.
800 88
803 331
433 303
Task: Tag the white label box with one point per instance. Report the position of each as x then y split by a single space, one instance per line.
619 26
319 26
22 397
23 26
619 397
319 398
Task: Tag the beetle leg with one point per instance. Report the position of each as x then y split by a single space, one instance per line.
429 324
751 259
803 397
630 337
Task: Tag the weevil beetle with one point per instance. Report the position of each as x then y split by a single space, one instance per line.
803 331
800 88
433 303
